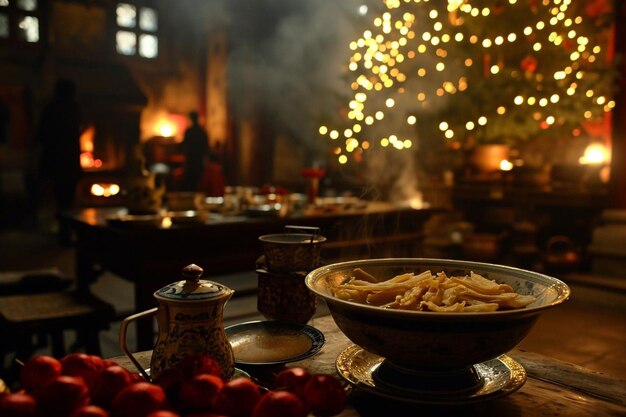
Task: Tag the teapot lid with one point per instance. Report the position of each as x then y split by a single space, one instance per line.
192 288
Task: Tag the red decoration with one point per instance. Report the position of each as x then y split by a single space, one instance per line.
529 64
498 8
568 45
486 65
597 8
313 176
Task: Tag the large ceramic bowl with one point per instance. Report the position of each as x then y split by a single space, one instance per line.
433 342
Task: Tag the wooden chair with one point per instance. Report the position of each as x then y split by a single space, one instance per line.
24 316
33 281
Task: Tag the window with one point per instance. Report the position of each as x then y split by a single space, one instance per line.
136 30
20 20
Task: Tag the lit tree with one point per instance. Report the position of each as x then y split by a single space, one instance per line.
475 71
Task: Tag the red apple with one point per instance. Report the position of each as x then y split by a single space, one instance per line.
238 397
138 400
197 364
163 413
134 378
82 365
62 395
207 414
279 403
108 362
324 395
37 371
108 383
170 380
292 380
90 411
17 405
199 393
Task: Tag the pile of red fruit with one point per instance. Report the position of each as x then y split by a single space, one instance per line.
81 385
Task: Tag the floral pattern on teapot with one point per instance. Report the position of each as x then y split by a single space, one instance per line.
185 336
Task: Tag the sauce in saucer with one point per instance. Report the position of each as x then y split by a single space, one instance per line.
273 342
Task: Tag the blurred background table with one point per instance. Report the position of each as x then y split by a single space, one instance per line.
553 388
152 256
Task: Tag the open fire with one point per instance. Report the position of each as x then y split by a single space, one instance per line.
167 128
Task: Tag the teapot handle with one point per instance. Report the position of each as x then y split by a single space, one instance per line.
123 331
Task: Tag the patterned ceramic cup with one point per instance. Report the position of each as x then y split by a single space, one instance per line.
284 297
292 252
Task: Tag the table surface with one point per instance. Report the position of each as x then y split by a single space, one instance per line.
230 243
152 256
553 388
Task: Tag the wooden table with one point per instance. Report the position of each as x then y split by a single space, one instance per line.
553 388
153 256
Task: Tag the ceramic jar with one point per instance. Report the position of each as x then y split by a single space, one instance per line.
190 322
284 297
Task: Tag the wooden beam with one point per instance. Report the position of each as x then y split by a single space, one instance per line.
618 162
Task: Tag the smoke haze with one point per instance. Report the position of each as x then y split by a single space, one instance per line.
289 57
288 63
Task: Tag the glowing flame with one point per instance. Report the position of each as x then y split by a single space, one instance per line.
87 159
86 139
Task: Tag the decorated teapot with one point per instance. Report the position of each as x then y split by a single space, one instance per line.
190 321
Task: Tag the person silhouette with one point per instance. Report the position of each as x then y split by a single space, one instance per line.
59 131
195 148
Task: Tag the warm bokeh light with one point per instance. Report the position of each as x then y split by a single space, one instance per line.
87 161
166 222
407 61
417 201
167 125
165 128
596 154
104 190
506 165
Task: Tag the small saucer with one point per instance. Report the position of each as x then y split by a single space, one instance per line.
273 342
502 376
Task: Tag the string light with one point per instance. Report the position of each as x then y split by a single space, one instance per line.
410 46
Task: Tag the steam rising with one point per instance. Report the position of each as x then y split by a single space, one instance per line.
289 56
288 63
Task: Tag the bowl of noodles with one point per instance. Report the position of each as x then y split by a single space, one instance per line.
432 321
